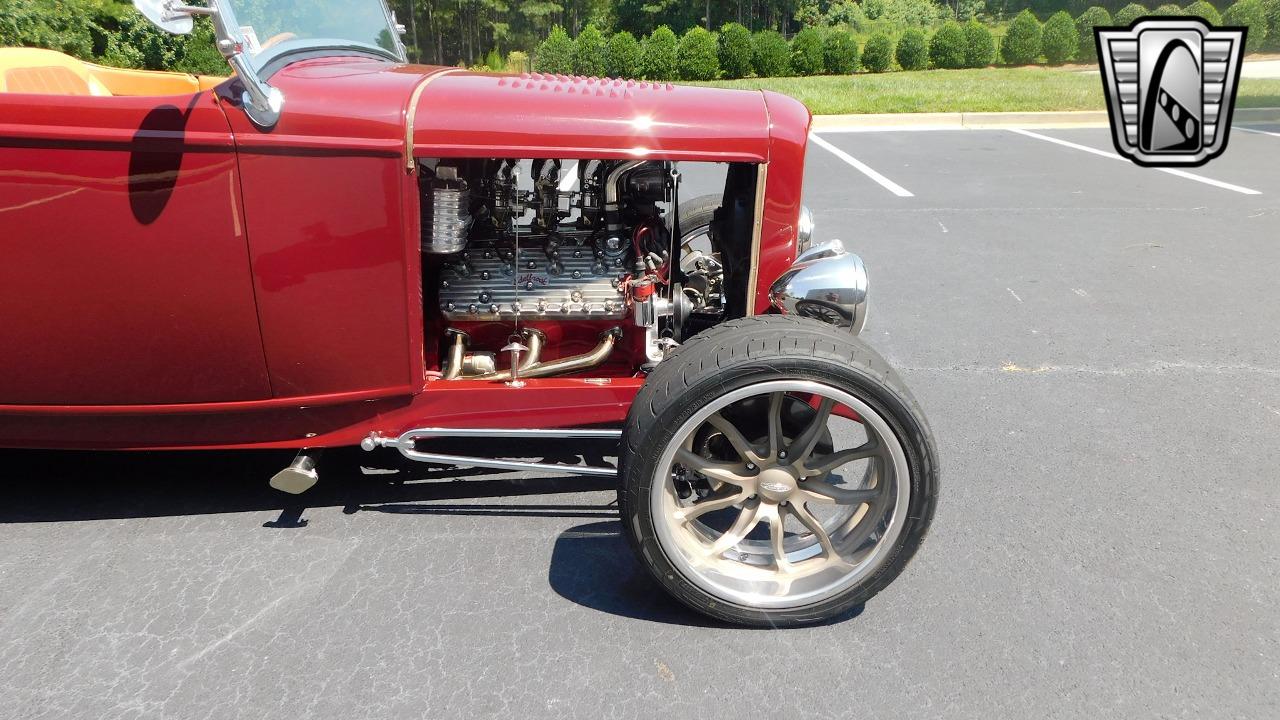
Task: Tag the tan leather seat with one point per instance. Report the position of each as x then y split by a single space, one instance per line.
46 72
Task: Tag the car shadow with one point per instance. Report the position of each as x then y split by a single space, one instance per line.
591 564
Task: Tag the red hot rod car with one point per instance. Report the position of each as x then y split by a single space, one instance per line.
336 247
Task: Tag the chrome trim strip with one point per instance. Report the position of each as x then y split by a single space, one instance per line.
757 228
411 112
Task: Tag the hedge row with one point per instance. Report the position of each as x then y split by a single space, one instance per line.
736 52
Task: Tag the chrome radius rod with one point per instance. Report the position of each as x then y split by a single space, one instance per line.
406 443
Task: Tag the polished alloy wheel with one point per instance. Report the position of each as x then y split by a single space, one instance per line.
781 494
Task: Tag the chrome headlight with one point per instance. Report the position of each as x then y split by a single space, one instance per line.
825 283
804 228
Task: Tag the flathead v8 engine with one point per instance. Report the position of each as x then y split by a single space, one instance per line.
523 242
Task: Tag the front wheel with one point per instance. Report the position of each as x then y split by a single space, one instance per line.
775 472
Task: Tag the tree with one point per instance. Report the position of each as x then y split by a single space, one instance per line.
806 52
946 47
1061 39
877 54
735 50
697 55
658 54
1021 44
979 45
840 53
1127 14
1096 16
67 26
622 57
1250 14
588 52
1202 9
771 56
1170 10
555 54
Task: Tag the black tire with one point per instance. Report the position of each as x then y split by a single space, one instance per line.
697 213
744 352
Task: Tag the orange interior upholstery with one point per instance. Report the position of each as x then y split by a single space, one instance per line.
45 72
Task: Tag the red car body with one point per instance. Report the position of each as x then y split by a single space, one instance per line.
175 276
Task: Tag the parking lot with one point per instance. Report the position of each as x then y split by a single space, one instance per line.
1097 346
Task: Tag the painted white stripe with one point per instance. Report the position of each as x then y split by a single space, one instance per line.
1172 171
862 167
569 177
1259 132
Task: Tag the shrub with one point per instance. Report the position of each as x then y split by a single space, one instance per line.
555 54
1202 9
806 52
1272 8
1250 14
1096 16
840 53
970 9
877 55
946 47
979 45
912 53
735 50
588 52
658 54
63 25
1061 39
914 13
697 55
1127 14
1169 9
622 55
1021 44
874 9
848 14
771 56
517 62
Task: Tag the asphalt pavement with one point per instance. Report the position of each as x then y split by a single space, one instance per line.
1096 346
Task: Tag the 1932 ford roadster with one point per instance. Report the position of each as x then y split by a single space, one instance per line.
335 247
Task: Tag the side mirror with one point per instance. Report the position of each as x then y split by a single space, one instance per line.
262 103
162 14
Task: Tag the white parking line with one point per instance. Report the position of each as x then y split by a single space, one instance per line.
862 167
1260 132
1113 156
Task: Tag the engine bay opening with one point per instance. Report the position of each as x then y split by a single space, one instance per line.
555 267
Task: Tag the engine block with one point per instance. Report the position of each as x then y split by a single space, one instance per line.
554 277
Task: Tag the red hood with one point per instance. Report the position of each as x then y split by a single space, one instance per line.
462 113
447 112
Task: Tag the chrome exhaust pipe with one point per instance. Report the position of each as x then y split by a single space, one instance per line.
535 340
453 368
301 474
562 366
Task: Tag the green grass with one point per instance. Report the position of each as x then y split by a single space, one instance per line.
1022 89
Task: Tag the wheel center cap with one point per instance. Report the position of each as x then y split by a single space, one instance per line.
776 484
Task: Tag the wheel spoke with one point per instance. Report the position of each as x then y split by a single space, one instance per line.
808 439
745 450
775 424
827 493
747 520
813 525
777 533
827 463
722 472
719 500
